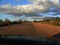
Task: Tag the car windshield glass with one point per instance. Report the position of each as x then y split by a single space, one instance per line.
30 20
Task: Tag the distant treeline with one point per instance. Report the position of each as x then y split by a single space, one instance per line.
53 21
8 22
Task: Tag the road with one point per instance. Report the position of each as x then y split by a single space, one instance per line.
19 29
30 29
46 29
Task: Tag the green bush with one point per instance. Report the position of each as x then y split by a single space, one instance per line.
53 21
8 22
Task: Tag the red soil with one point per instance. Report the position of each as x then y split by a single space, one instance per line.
46 29
31 29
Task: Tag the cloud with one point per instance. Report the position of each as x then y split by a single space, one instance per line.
55 1
34 9
38 1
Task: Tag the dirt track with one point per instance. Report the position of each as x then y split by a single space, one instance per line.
31 29
46 29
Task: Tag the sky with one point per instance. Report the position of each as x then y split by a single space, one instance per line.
14 2
29 9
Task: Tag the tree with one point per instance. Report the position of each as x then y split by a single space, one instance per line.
55 21
20 21
7 22
1 22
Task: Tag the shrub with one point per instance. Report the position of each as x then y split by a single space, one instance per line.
53 21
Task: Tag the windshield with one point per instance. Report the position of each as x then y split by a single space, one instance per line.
30 20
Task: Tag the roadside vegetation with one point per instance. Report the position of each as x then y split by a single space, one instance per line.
8 22
53 21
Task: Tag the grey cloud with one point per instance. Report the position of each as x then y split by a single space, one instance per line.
31 9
